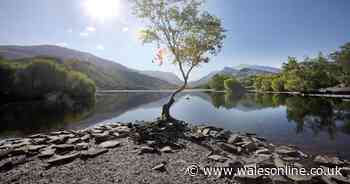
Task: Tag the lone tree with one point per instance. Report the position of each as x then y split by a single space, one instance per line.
188 32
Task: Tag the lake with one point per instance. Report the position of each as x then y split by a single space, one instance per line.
312 123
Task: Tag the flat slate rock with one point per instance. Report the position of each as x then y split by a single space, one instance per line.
159 167
284 150
263 151
250 146
62 159
217 158
233 139
110 144
325 160
85 137
73 140
230 148
39 140
146 149
4 153
35 147
82 146
57 139
63 148
93 152
38 136
166 149
101 137
47 153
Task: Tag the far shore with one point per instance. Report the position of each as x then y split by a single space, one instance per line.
154 91
328 95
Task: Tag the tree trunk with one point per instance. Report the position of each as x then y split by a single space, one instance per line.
166 107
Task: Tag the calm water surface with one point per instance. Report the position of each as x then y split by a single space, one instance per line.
312 123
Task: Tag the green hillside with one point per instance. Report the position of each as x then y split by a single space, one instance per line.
105 73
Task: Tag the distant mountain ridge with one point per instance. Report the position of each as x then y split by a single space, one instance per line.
166 76
107 74
258 67
241 71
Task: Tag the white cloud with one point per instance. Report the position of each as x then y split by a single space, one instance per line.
125 29
100 47
84 34
62 44
90 29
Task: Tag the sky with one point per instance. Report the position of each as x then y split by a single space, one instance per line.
259 32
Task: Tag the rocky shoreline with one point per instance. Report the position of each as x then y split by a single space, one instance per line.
153 152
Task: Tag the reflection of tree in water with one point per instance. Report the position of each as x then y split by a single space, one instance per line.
217 99
343 113
346 127
265 100
249 101
232 99
279 100
270 100
226 100
112 105
317 114
314 113
31 117
118 103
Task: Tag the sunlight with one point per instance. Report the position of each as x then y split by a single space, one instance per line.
102 9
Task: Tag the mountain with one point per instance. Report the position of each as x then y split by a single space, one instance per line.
165 76
107 74
241 71
258 67
203 80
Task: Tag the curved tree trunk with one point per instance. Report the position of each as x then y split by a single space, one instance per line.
166 107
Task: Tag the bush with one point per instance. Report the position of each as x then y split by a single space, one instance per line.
232 84
217 82
277 84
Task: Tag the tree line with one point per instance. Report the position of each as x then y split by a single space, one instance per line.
310 74
43 78
222 82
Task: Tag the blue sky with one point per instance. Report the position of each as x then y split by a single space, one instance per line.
262 32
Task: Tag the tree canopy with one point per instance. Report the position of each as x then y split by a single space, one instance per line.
217 82
36 78
310 74
342 57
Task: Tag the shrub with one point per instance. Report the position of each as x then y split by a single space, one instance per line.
217 82
277 84
232 84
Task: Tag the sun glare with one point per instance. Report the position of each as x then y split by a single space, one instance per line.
102 9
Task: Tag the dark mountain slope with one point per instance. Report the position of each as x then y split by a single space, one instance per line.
166 76
107 74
